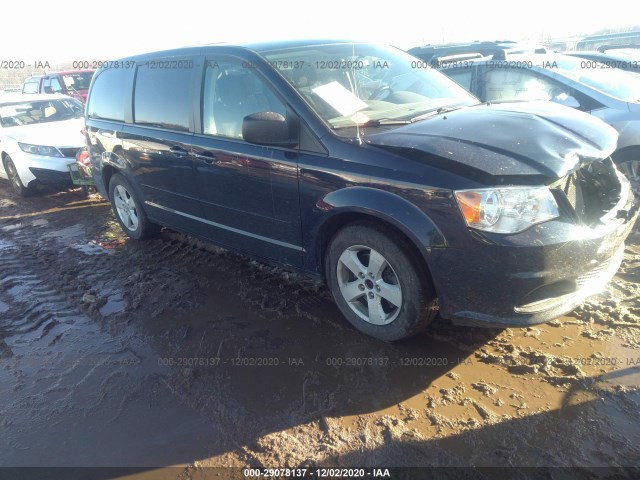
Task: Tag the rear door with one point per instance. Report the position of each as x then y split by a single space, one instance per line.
156 143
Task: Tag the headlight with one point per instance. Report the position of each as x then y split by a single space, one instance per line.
508 209
40 150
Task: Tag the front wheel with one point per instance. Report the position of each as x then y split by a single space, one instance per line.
16 184
377 284
128 209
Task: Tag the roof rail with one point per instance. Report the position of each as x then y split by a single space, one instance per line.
604 48
456 57
502 54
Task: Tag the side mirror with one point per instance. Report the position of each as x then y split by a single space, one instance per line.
566 100
267 128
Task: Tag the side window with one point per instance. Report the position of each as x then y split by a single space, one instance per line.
107 99
462 76
502 84
46 85
161 97
30 87
55 85
231 92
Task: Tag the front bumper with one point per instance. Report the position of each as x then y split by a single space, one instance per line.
51 177
43 169
531 277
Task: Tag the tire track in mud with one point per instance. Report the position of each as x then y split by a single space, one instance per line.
36 320
97 280
32 306
129 280
75 393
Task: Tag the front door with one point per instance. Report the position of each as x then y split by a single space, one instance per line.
249 193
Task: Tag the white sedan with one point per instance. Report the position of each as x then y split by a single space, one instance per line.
39 137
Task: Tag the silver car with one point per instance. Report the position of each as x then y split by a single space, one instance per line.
610 94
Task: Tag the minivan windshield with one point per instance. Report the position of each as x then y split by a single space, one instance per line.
350 84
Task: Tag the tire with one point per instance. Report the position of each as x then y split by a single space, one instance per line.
16 184
392 300
128 209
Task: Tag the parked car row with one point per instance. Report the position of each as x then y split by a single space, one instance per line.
39 136
73 83
40 130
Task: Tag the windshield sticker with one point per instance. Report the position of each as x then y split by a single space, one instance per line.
345 102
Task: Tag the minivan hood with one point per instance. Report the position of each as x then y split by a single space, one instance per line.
514 138
66 133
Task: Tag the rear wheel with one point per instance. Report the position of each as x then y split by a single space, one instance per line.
128 209
16 184
377 285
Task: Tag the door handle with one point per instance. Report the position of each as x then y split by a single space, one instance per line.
178 151
208 157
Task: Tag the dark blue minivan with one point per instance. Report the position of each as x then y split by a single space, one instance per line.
343 161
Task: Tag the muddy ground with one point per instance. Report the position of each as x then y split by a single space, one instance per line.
174 352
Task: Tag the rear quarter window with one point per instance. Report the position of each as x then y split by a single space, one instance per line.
108 94
161 95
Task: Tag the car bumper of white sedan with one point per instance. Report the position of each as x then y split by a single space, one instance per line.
43 169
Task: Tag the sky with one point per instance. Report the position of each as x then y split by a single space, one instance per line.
90 31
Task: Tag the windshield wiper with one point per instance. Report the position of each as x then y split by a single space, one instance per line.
431 113
375 123
384 121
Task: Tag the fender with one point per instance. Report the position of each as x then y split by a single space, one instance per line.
100 163
387 206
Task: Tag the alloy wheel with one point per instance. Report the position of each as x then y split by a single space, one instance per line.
369 285
126 208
